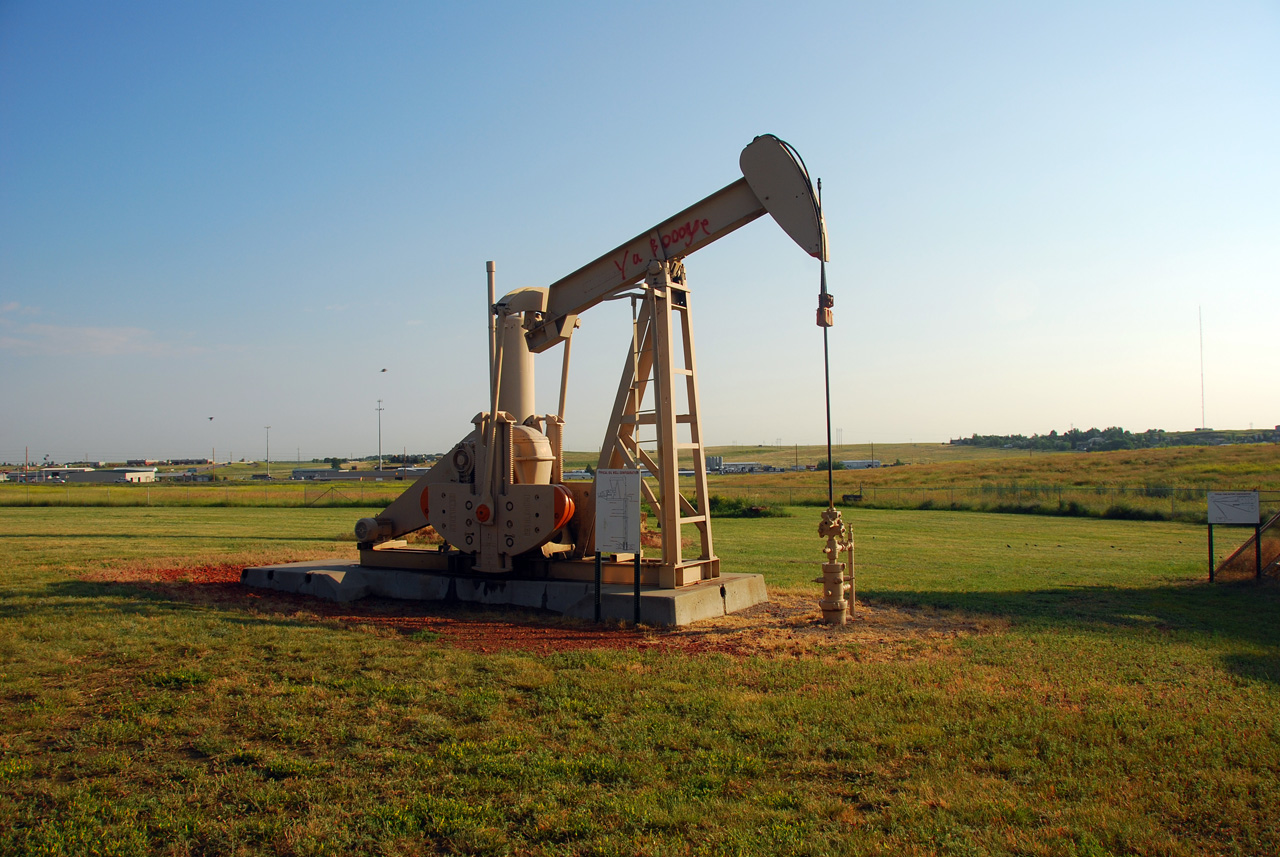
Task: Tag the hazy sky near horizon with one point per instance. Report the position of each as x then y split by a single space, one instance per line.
248 210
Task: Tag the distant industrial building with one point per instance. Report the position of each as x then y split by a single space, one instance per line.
133 475
860 464
46 474
588 476
328 474
189 475
87 474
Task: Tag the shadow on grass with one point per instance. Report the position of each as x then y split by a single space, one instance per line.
1243 613
176 537
142 599
468 625
1241 620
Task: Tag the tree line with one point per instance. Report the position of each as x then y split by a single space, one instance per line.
1113 437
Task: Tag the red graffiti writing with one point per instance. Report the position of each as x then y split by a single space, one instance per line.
681 236
622 262
685 234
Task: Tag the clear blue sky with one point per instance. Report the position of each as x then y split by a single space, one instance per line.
247 210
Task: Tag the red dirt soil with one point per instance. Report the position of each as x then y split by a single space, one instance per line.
787 625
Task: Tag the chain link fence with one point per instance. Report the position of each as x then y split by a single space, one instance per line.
301 494
1151 502
1256 557
1155 502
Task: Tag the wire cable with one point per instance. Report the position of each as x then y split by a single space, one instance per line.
823 301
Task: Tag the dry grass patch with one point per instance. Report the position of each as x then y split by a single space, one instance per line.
787 626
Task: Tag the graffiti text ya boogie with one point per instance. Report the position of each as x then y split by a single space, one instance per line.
681 236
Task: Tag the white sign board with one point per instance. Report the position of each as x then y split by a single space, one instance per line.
1234 507
618 511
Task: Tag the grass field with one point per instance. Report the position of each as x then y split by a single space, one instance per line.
1159 484
1164 484
1015 685
161 494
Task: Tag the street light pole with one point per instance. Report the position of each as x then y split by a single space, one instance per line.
268 451
213 454
380 409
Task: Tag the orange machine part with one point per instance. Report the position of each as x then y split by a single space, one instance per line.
563 506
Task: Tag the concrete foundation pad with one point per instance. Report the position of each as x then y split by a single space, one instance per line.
349 581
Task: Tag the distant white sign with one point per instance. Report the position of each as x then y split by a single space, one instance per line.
618 511
1233 507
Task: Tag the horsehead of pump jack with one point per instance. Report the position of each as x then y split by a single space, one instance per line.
499 498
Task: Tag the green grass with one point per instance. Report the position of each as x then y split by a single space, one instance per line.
283 493
788 456
68 540
1158 484
1252 465
1153 484
1115 703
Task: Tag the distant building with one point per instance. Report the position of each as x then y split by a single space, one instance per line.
88 474
328 474
579 475
47 474
739 466
132 475
189 475
860 464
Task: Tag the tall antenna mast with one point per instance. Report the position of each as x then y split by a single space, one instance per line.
1200 312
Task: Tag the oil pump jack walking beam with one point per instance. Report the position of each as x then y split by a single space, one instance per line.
498 498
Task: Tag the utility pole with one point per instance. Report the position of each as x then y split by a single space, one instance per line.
379 409
268 451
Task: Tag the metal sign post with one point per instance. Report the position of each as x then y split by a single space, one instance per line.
598 586
1240 508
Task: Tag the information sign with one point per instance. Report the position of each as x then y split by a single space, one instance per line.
618 511
1234 507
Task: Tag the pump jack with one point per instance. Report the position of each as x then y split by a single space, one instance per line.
499 499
